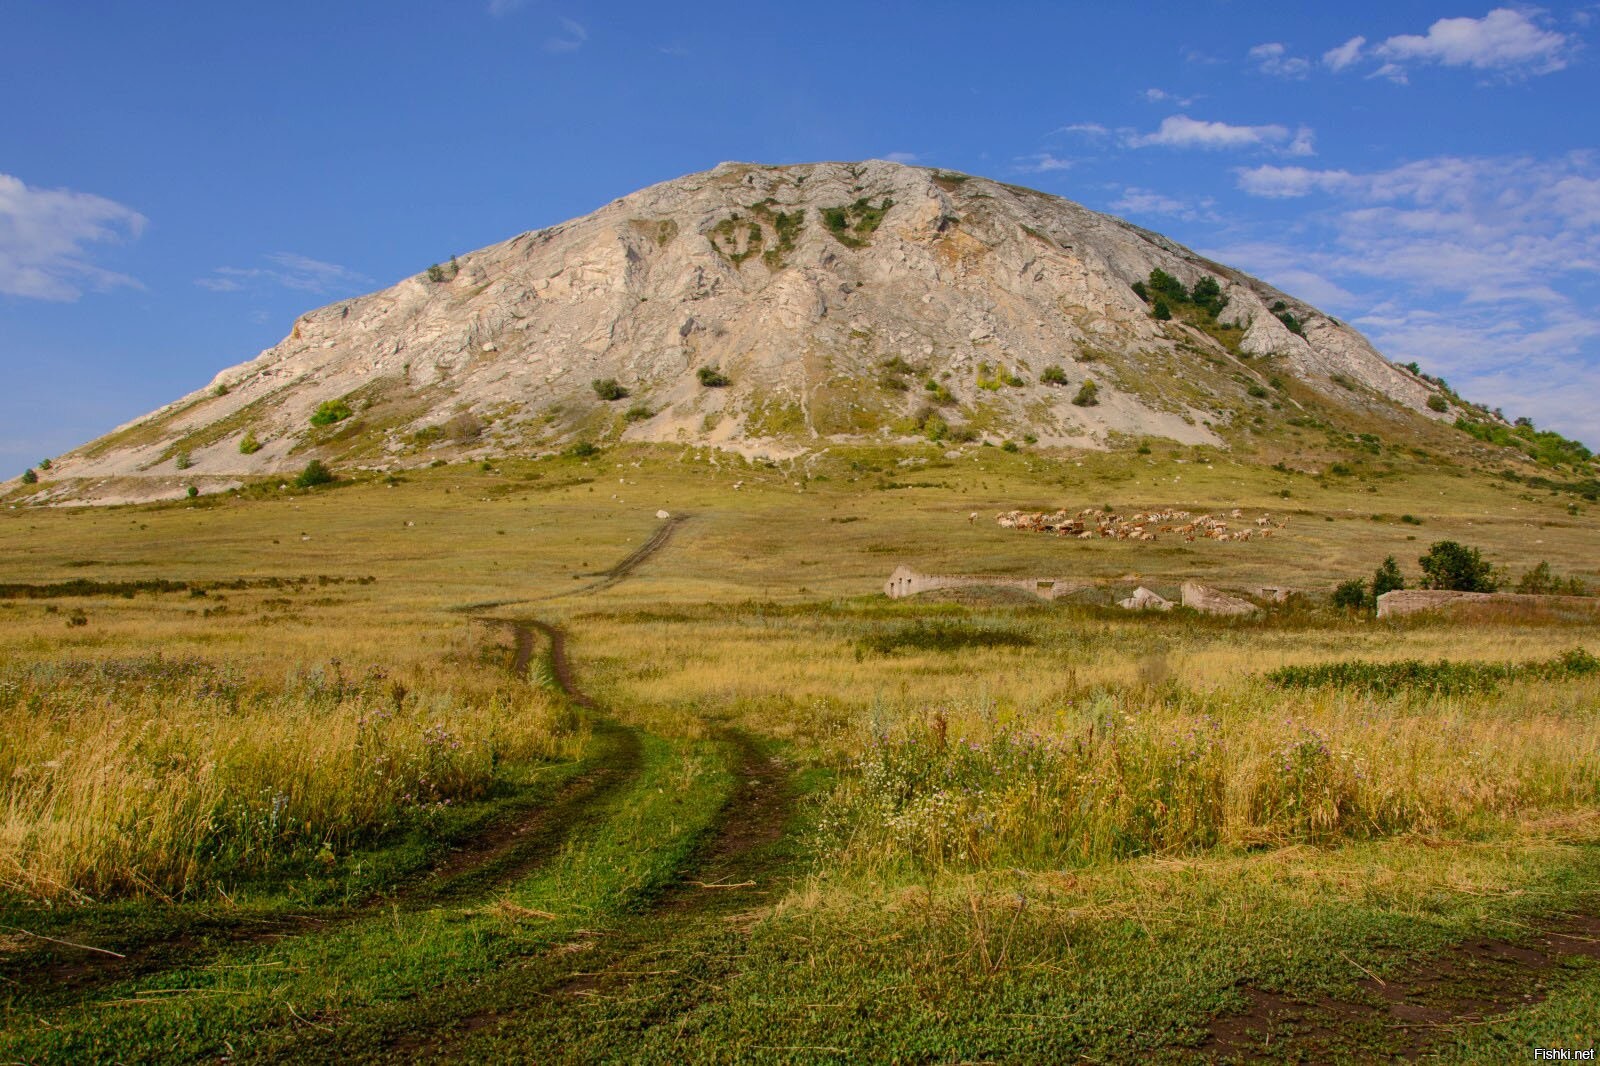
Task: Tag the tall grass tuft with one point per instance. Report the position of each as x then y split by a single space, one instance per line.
158 776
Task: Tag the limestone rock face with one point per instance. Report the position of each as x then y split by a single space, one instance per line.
836 301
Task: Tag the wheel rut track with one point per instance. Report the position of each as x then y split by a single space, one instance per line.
727 875
605 578
507 848
1414 1011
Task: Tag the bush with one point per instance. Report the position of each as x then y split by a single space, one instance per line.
315 473
581 450
1438 403
712 379
1207 295
1351 595
1387 578
44 464
1257 391
1456 568
464 428
1162 313
638 413
608 389
1053 375
220 390
249 445
29 477
1088 395
193 492
330 411
1542 581
1164 284
183 460
1009 446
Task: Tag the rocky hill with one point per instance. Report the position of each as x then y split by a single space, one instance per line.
777 309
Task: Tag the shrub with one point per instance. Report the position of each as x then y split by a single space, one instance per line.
1443 677
581 450
1257 391
220 390
638 413
464 428
193 492
29 477
1457 568
183 460
940 395
1387 578
963 434
1088 395
1053 375
315 473
45 464
1207 295
1162 313
249 445
1351 595
330 411
1542 581
435 273
1164 284
712 379
1141 291
1009 446
608 389
1438 403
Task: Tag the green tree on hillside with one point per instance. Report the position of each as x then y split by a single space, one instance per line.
1457 568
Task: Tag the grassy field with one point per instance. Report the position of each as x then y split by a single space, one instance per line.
412 768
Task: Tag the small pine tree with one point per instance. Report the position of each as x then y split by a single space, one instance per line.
29 477
1387 579
1162 312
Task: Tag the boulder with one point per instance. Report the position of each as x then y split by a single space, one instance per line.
663 515
1209 601
1145 600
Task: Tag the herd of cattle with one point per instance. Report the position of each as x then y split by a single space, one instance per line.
1093 522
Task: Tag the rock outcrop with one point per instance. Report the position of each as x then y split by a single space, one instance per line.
1208 600
1145 600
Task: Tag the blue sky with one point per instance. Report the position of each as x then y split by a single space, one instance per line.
179 180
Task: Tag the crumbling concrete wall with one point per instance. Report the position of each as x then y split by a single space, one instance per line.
1411 601
907 582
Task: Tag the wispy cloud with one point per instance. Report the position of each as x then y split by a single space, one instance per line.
1337 59
902 157
286 270
1162 96
1041 163
1181 131
1136 201
44 239
501 8
1273 58
572 37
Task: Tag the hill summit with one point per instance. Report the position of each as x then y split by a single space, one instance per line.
777 309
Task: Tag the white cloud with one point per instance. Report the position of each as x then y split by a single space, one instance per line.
902 157
1504 40
289 271
1137 201
43 239
572 37
1161 96
1088 129
1273 58
1181 131
1337 59
1041 163
1286 182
